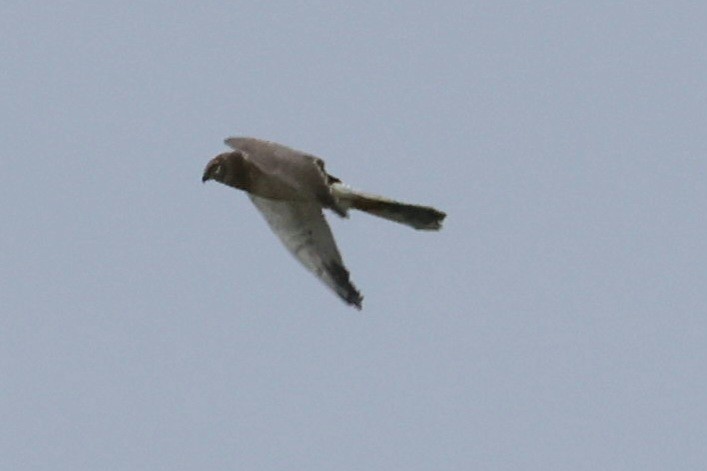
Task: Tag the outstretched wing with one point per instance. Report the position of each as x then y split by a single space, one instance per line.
301 226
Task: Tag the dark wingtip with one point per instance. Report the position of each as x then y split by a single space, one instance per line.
353 297
345 289
356 302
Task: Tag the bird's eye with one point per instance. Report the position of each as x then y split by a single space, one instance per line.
218 170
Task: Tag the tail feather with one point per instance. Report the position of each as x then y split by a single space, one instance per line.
416 216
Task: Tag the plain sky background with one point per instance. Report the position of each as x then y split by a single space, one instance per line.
558 321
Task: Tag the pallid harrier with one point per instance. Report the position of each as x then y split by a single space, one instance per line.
291 188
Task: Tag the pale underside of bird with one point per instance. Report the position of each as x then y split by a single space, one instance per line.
291 188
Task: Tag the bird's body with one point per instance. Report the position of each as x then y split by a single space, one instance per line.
290 188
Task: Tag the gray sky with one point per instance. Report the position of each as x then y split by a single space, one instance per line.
150 322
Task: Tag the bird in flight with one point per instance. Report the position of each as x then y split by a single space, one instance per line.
291 188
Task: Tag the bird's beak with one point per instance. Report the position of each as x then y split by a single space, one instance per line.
207 175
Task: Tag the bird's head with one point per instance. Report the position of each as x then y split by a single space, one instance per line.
216 169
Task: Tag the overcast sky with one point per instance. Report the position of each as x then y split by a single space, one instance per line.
149 322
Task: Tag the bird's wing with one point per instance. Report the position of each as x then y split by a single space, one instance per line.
302 228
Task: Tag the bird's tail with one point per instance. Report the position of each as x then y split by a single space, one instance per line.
416 216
